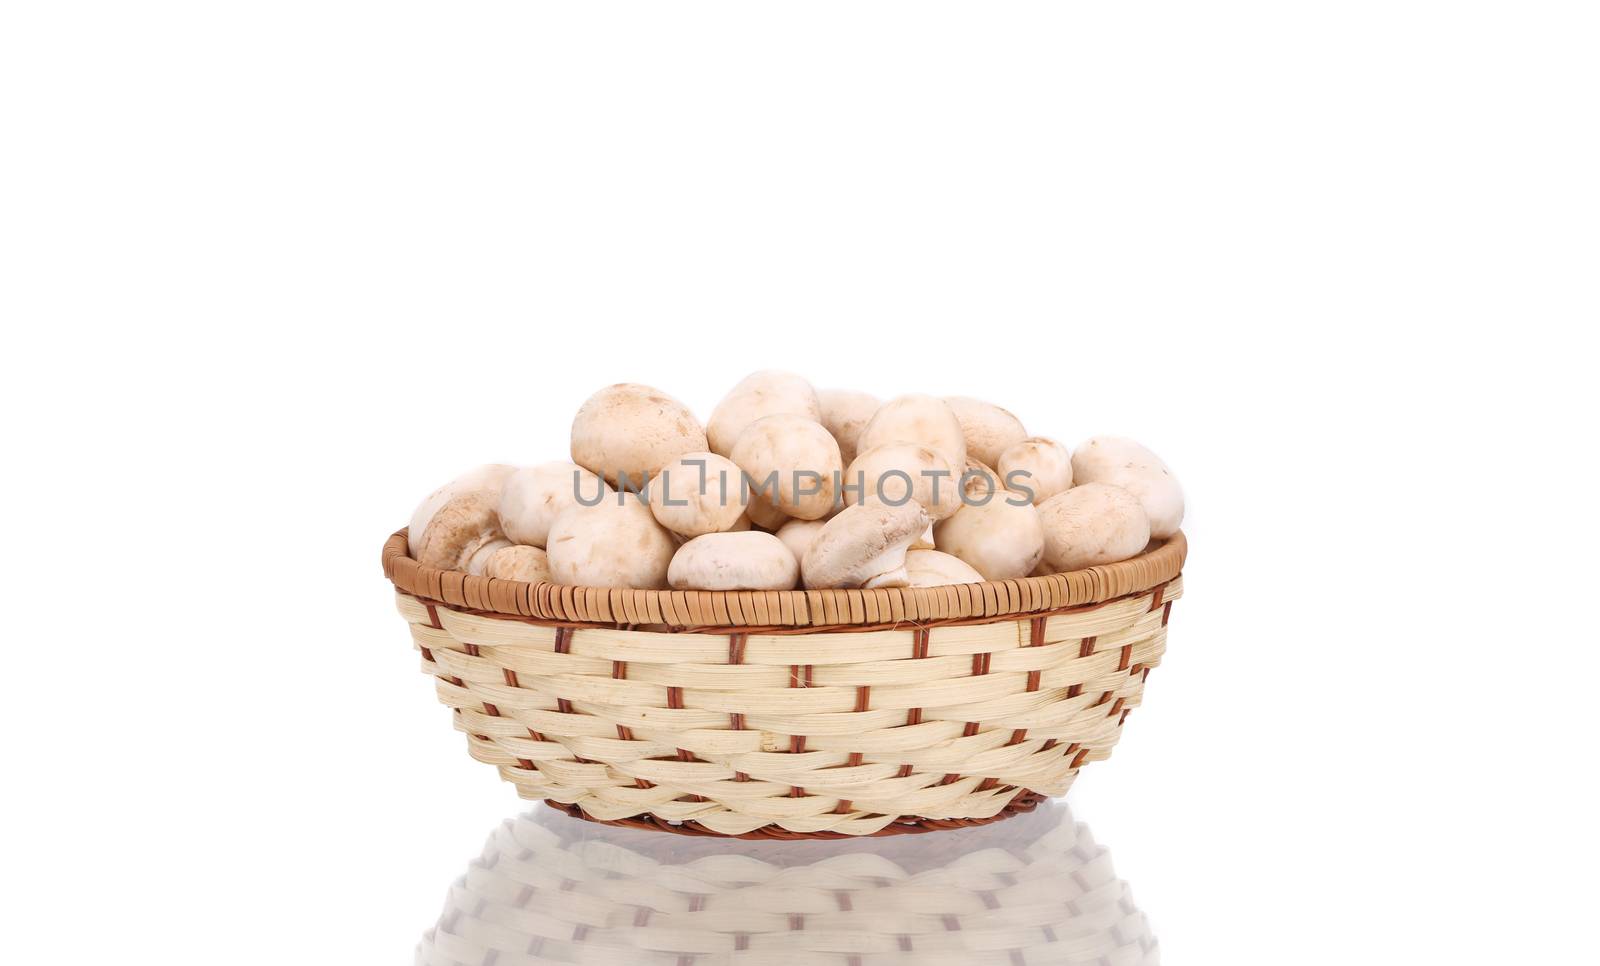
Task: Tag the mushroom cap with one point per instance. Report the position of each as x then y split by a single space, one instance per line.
751 560
632 429
519 563
979 481
800 454
999 539
761 513
1123 462
1043 467
479 561
616 543
864 546
928 478
931 568
989 430
927 420
798 535
845 413
458 529
768 392
698 493
535 495
1092 524
489 476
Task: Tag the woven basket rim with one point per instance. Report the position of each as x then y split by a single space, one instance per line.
804 610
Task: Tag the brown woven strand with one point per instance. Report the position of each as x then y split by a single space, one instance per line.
1023 803
781 608
973 711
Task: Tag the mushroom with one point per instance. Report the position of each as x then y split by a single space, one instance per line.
490 477
792 462
1123 462
864 546
798 535
733 561
846 413
930 568
1092 524
615 543
1037 466
479 560
698 493
630 431
979 483
988 429
898 472
519 563
761 513
916 419
765 393
535 495
999 539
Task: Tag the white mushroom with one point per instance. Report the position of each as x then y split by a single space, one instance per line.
519 563
916 419
864 546
792 462
988 429
733 561
698 493
490 477
1123 462
980 483
1038 466
478 563
616 543
1092 524
898 472
1000 539
930 568
769 392
761 513
535 495
846 413
798 535
633 430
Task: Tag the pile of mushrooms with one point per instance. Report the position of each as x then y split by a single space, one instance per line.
788 487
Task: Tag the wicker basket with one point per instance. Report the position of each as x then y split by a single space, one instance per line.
792 713
547 890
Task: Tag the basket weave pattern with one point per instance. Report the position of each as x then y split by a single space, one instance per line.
788 731
1039 890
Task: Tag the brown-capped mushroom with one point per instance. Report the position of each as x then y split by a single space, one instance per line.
535 495
926 420
615 543
698 493
770 392
846 413
1039 466
519 563
793 462
489 477
931 568
1000 539
988 429
751 560
1092 524
633 430
864 546
1125 463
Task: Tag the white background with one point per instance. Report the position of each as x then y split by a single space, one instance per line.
271 272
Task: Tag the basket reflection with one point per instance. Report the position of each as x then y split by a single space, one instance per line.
1031 890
